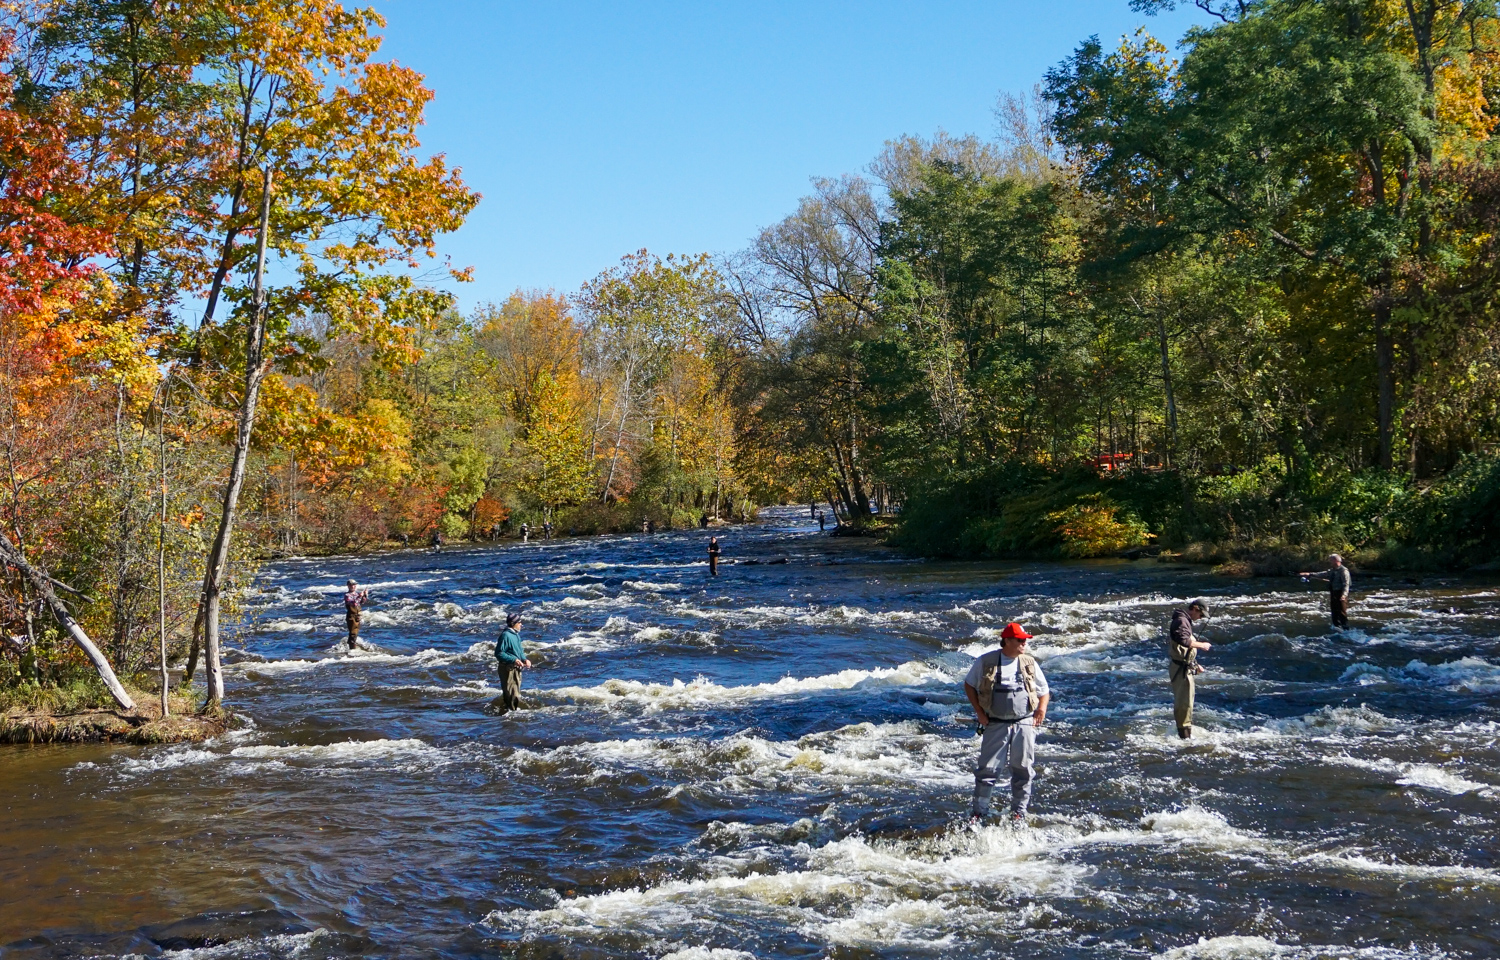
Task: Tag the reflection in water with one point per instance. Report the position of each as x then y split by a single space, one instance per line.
776 763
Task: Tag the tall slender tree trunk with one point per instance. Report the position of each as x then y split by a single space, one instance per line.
43 586
614 458
1385 371
1166 380
195 646
161 551
256 369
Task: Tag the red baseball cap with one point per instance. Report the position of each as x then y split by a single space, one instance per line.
1013 631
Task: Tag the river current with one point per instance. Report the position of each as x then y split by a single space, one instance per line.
777 763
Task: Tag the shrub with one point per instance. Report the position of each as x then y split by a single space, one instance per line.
1096 527
454 526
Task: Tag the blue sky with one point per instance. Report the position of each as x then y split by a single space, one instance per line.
596 129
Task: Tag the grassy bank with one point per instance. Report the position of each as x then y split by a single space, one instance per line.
1270 520
81 711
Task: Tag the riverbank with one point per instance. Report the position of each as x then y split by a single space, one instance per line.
1261 522
81 714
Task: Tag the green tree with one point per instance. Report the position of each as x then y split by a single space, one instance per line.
1310 133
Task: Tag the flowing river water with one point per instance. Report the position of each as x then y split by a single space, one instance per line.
777 763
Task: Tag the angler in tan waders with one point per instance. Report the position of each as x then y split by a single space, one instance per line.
1009 696
354 600
1182 648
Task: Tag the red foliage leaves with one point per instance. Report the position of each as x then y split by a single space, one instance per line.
39 251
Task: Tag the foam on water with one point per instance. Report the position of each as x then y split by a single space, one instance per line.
851 891
706 953
1424 775
343 657
701 692
287 945
1228 948
1259 948
348 753
867 755
409 754
1469 675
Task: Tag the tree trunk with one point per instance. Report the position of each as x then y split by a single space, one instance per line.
614 458
256 369
43 585
161 551
195 647
1166 379
1385 368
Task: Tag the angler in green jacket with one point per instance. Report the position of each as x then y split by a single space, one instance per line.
1009 696
510 657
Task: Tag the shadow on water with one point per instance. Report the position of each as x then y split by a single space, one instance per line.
776 763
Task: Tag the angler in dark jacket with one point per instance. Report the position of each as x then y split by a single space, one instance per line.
1182 648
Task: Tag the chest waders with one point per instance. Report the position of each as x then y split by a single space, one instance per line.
1184 692
1007 741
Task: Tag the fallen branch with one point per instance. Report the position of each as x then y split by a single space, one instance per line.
43 585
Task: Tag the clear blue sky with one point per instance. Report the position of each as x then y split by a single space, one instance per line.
596 129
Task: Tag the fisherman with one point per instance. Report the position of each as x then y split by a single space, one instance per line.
1009 695
546 529
645 525
713 556
822 521
1339 581
510 658
525 533
1183 649
353 600
437 538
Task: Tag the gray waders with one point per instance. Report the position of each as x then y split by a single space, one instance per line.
1007 737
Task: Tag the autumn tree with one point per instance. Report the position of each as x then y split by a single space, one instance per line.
555 467
1311 133
637 316
54 358
323 174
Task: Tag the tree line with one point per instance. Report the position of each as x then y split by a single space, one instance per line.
1242 295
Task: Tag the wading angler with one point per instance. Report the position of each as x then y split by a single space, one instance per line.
1009 695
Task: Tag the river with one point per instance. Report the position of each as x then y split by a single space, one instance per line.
777 763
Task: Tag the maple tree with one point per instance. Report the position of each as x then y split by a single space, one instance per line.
49 409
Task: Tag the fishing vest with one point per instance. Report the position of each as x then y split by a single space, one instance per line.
1010 699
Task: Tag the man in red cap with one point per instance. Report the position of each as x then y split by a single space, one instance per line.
1009 696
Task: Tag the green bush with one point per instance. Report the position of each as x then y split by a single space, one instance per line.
1031 512
1458 518
454 527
